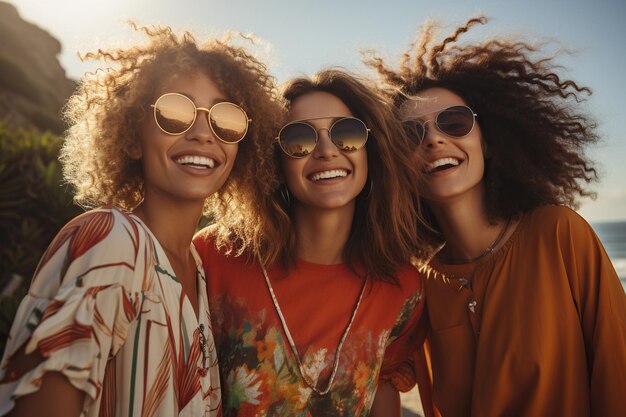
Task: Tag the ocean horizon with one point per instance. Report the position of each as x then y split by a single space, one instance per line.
613 237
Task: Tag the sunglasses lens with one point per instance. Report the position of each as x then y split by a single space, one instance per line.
349 134
414 131
229 122
456 121
174 113
297 139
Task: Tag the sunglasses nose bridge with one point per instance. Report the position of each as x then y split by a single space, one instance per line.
201 127
324 146
431 133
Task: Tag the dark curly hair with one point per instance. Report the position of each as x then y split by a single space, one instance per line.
106 112
383 235
531 120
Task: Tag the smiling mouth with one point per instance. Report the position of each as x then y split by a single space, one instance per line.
328 175
196 161
441 165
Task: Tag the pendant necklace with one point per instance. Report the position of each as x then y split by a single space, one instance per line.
292 344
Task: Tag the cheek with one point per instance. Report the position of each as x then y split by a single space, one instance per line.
290 167
231 152
362 164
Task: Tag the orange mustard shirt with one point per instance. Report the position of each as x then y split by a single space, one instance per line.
536 329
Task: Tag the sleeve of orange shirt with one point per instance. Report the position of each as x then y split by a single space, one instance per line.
409 339
601 304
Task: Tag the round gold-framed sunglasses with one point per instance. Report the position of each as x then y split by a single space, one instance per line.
298 138
175 113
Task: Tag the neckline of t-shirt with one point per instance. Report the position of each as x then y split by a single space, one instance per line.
305 266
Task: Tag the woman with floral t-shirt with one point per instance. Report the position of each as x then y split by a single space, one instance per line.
321 308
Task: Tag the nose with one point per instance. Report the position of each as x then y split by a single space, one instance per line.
432 136
325 148
201 130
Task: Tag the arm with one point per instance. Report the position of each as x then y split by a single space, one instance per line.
601 304
56 398
386 402
73 319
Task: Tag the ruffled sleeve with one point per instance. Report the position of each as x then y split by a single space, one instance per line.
83 297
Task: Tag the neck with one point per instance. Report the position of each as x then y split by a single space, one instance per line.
322 234
173 222
466 228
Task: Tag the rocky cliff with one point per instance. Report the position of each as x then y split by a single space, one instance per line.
33 85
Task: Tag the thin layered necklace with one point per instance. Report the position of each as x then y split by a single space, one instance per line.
312 384
486 252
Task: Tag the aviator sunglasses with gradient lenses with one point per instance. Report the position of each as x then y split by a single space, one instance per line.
175 113
298 138
454 121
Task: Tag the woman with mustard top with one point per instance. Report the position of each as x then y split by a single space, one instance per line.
527 315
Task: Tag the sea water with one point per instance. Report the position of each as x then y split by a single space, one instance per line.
613 237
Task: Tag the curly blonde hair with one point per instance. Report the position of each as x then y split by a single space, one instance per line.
106 113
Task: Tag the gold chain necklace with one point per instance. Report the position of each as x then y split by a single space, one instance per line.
292 344
486 252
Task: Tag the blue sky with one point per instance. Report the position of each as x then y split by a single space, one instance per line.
302 37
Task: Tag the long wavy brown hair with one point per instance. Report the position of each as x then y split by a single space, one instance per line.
383 235
106 112
532 122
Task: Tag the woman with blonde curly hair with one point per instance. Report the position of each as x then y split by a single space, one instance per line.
527 315
323 307
116 321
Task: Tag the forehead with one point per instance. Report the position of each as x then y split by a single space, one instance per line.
429 101
318 105
194 83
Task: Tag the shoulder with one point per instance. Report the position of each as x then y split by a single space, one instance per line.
205 243
560 220
409 278
554 215
104 230
408 287
219 254
100 247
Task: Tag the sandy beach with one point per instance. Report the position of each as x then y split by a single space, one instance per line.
411 404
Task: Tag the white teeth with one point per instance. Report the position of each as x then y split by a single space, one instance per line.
324 175
196 160
440 162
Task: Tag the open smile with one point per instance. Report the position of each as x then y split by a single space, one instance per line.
196 161
328 175
442 164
